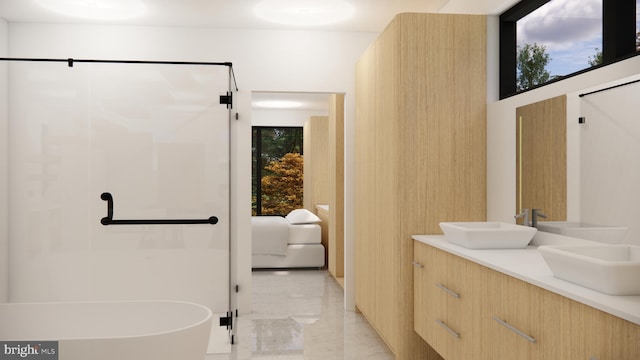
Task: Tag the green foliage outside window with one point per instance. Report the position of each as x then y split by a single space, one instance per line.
532 60
282 186
596 59
277 180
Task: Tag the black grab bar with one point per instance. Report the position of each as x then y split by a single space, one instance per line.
108 220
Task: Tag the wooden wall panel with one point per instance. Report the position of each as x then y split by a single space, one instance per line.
316 162
323 214
420 155
336 185
316 168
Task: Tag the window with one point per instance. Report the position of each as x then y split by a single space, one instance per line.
569 32
542 41
637 25
277 170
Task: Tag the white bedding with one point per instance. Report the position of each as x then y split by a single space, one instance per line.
298 256
304 234
277 243
270 235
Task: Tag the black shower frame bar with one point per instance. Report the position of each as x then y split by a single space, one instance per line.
609 88
71 61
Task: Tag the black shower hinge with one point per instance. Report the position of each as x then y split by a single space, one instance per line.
227 100
227 320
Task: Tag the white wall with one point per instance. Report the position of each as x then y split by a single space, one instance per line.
263 61
501 137
4 140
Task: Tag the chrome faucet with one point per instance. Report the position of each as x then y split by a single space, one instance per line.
535 214
524 215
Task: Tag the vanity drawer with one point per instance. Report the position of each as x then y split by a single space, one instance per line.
521 321
444 301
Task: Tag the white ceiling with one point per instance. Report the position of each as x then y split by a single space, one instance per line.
369 16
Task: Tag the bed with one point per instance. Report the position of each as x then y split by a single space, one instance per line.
293 241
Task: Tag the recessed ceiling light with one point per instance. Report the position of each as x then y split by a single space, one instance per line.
277 104
304 12
96 9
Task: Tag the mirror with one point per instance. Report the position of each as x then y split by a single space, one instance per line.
541 158
602 155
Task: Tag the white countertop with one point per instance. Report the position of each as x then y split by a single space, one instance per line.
528 265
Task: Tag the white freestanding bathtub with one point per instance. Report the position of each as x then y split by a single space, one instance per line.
123 330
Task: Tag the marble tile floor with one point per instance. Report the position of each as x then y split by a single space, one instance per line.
300 315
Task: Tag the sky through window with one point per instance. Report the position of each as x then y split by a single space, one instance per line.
571 31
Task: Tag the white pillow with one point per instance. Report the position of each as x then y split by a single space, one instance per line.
302 216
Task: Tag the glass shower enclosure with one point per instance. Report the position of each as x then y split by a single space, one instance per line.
136 143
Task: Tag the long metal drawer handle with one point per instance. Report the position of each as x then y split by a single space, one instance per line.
444 326
448 291
510 327
417 264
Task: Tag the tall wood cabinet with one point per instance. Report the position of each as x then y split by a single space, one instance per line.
420 157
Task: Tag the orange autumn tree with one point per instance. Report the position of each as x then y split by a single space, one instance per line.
282 187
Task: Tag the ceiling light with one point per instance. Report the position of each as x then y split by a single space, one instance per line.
304 12
277 104
96 9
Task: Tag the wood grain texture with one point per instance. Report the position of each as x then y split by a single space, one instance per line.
463 315
588 333
541 158
316 170
324 232
316 162
365 241
562 328
336 185
420 157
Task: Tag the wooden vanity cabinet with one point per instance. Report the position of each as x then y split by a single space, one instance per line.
522 321
592 334
446 302
562 328
429 304
500 317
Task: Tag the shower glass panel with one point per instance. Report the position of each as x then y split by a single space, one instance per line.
154 136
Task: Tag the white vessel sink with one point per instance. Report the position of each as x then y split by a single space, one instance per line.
611 269
487 235
600 233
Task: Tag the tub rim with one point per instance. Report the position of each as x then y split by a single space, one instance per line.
208 317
